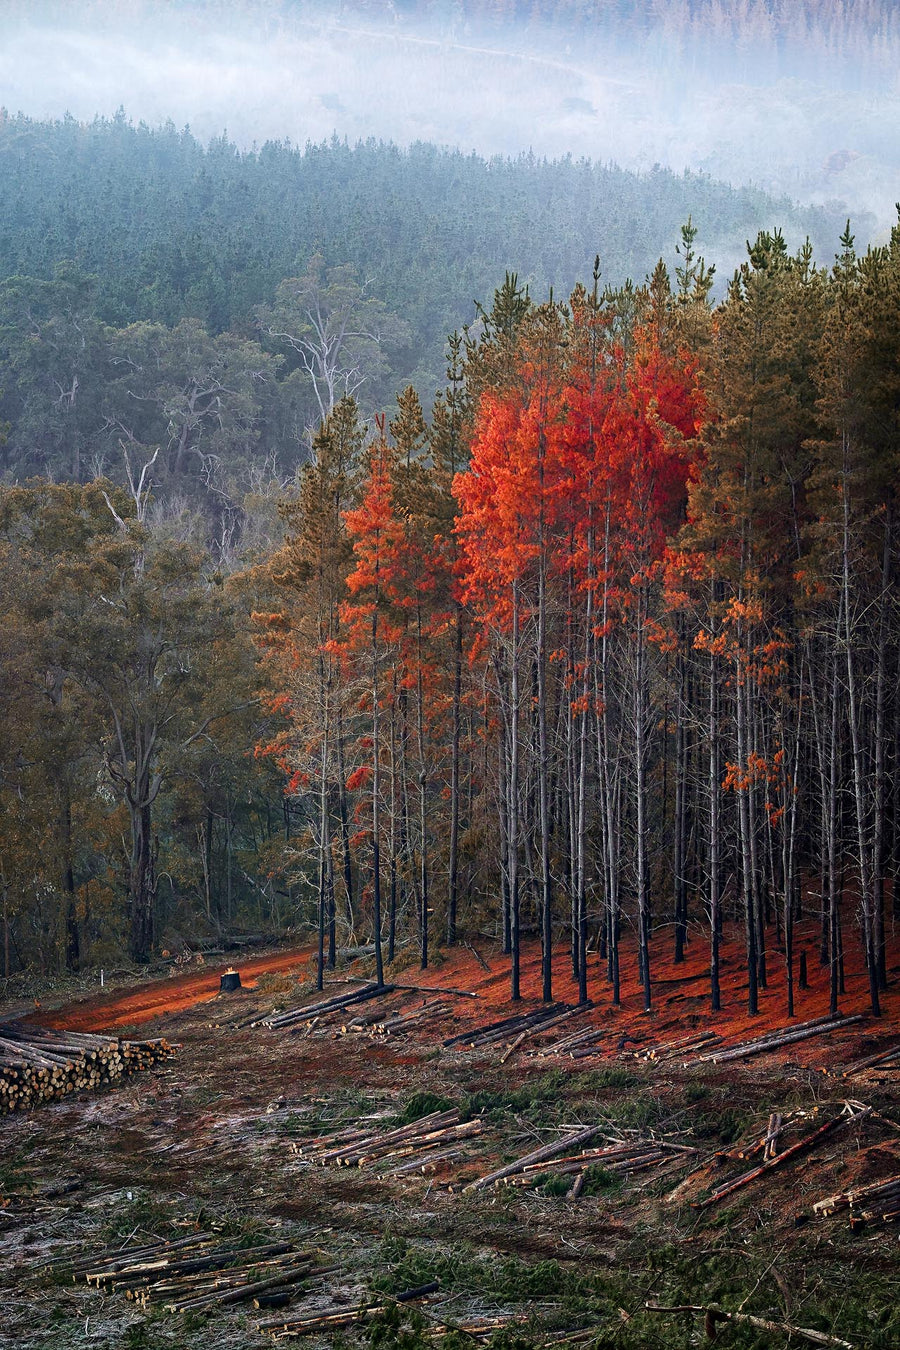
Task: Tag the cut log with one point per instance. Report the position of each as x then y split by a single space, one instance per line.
810 1141
775 1040
539 1155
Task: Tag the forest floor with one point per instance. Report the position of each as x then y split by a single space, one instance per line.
217 1140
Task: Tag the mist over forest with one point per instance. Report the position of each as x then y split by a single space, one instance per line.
800 99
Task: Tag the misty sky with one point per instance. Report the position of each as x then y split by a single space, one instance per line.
808 132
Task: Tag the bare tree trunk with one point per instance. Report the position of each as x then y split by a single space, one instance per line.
73 944
503 802
453 861
714 841
740 694
376 805
513 807
345 826
423 810
581 799
544 807
324 841
878 834
640 755
680 821
142 884
392 844
6 962
865 869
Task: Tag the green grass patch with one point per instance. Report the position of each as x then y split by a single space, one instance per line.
421 1104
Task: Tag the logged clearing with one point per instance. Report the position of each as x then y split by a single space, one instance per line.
414 1166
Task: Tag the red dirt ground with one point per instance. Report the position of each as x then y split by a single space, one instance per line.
146 1002
680 993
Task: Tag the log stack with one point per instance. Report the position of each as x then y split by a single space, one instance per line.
440 1134
38 1065
199 1273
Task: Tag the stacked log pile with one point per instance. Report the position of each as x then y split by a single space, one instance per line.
872 1205
37 1065
399 1022
674 1050
198 1273
439 1135
576 1044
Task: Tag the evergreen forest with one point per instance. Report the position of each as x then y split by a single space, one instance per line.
597 644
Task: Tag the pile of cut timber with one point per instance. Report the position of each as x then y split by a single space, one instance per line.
518 1028
311 1013
878 1203
564 1145
774 1040
37 1065
408 1148
397 1022
577 1045
685 1045
634 1155
197 1273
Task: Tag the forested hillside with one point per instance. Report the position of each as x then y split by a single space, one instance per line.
138 266
607 641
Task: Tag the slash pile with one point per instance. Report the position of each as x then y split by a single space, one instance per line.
37 1065
885 1059
852 1113
635 1155
197 1273
310 1324
568 1155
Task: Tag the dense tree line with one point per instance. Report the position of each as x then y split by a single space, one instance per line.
608 644
635 665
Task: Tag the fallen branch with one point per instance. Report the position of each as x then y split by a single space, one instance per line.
713 1314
